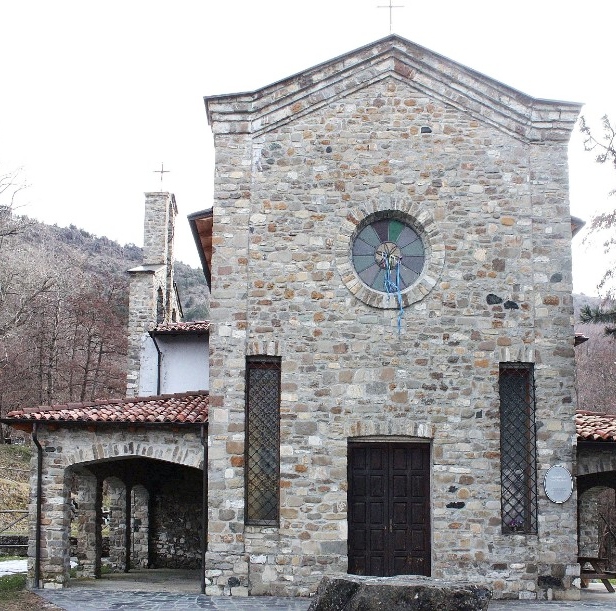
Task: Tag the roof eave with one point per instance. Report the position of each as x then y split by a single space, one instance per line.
18 422
192 221
608 444
155 333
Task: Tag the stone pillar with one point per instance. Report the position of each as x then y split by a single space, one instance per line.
55 525
88 519
117 523
143 294
141 527
589 522
555 557
226 557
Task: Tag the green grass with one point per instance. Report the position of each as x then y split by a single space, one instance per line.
3 558
13 583
17 452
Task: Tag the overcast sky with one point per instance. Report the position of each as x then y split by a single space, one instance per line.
94 96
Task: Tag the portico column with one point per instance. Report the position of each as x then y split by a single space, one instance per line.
87 510
117 522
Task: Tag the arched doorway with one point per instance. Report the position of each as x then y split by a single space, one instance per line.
136 513
596 509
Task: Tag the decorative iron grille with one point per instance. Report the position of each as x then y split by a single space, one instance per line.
263 440
518 448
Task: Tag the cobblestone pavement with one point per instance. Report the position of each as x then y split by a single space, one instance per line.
96 600
585 604
167 590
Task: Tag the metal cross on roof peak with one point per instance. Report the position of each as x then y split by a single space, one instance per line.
161 172
391 7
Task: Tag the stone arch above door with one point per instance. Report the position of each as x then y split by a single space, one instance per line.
83 447
596 462
396 427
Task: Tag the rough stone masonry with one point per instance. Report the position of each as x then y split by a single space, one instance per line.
480 171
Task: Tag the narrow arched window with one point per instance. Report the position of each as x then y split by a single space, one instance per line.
518 443
262 440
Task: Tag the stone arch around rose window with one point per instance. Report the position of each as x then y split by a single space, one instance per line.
410 213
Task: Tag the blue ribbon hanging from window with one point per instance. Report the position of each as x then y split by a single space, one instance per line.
392 285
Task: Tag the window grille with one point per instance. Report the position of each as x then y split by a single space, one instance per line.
262 440
518 448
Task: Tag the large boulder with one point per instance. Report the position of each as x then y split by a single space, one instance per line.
400 593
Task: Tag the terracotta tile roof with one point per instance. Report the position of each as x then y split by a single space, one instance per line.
194 326
593 426
184 408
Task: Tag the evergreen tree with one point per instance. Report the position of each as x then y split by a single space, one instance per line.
600 316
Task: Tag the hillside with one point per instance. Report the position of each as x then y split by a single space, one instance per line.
100 255
14 486
64 313
595 362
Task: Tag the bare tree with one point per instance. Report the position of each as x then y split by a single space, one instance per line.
596 359
11 183
595 363
22 283
20 286
602 225
74 346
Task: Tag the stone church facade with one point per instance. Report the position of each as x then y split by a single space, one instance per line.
391 363
391 283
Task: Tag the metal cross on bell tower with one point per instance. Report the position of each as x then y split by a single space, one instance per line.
161 172
391 8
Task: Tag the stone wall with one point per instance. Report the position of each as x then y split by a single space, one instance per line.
13 545
176 531
595 459
158 228
590 525
67 452
297 172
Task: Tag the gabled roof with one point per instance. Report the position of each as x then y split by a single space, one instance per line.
440 78
594 426
177 409
194 327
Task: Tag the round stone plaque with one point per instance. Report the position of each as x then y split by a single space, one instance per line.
558 484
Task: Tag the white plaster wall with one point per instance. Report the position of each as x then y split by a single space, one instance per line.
185 363
149 367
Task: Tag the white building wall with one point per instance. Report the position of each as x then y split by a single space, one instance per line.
149 367
184 364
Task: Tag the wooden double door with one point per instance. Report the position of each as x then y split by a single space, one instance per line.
389 509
